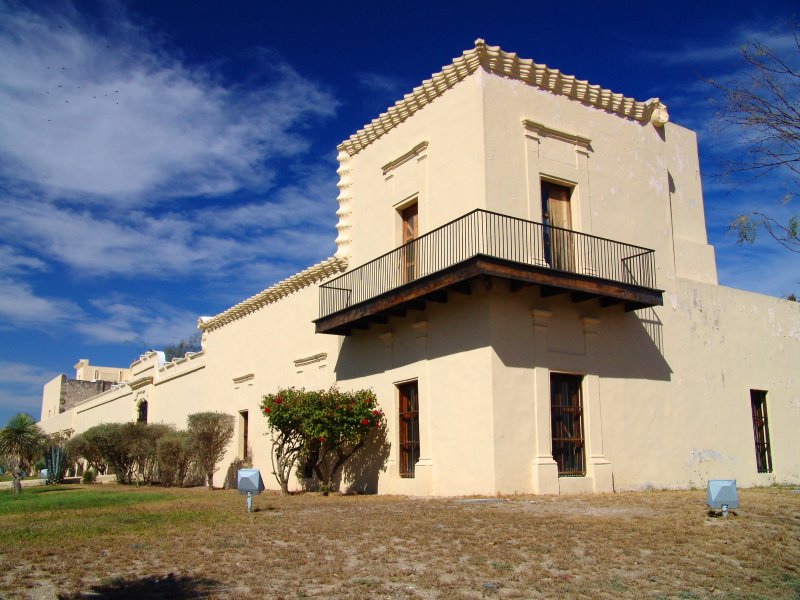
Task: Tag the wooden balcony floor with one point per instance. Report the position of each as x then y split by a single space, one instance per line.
459 277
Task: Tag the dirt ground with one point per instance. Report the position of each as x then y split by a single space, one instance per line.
201 544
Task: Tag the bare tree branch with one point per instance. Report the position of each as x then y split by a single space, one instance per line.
765 105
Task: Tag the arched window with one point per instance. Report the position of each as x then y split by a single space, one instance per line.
142 415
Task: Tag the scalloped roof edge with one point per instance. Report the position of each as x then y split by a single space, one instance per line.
321 270
507 64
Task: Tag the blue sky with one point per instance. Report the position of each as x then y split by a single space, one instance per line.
164 160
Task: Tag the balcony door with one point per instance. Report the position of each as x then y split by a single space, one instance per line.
410 218
557 219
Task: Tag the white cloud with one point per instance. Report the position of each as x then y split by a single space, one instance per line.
110 117
12 372
152 324
19 304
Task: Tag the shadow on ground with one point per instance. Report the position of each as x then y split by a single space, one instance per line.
171 587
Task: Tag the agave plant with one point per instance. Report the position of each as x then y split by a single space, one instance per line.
56 464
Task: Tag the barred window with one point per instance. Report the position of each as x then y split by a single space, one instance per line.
758 404
409 428
566 423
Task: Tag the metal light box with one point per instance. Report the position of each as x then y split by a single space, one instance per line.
721 493
249 480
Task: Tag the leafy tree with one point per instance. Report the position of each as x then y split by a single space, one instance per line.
180 349
329 426
285 416
765 105
210 433
23 440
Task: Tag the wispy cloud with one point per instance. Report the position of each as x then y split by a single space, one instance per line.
121 160
117 320
114 117
21 305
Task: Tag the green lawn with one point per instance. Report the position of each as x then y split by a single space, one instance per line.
64 497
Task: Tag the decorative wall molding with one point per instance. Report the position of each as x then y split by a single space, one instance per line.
322 270
494 60
414 152
541 130
310 360
243 378
140 382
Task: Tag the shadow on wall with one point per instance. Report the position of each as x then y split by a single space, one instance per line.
631 345
232 475
362 471
359 475
169 587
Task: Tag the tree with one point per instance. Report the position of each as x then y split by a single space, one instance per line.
284 412
23 440
765 105
329 426
210 434
180 349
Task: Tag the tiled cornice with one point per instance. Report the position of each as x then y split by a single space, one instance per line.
321 270
493 59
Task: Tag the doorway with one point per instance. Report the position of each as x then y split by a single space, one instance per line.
557 230
410 232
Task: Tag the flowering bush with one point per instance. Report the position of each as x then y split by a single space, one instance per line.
324 427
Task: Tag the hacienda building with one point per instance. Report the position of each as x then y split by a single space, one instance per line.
523 277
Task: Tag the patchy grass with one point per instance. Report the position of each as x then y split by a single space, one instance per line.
63 497
195 543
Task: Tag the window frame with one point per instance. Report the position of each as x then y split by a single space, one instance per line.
758 411
573 446
408 427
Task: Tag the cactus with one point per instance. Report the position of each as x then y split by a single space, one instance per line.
56 460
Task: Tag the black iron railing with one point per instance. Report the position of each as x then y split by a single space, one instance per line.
491 234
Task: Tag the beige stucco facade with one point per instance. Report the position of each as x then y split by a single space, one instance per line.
665 390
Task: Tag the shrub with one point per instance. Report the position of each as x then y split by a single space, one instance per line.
210 433
89 476
128 448
174 456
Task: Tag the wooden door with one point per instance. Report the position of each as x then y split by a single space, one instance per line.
410 217
557 218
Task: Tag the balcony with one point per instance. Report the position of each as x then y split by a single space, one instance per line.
486 246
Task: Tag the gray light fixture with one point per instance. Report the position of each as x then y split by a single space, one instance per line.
722 495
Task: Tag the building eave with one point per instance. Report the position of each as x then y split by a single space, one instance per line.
322 270
505 64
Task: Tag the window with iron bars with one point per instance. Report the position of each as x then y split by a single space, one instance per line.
758 404
566 424
409 427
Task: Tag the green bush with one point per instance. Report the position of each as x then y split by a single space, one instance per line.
209 435
89 476
130 449
174 455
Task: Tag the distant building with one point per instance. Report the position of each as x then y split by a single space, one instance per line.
61 393
523 276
